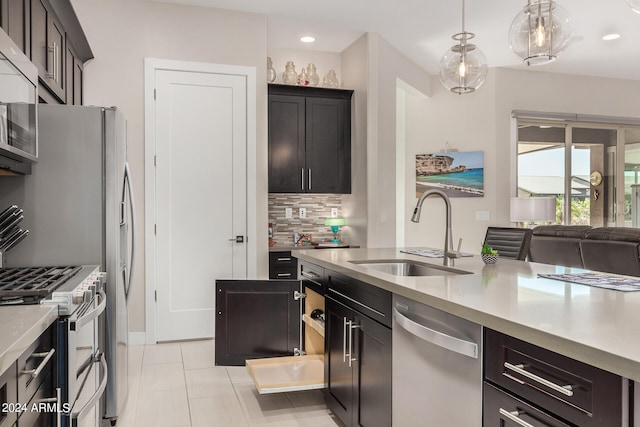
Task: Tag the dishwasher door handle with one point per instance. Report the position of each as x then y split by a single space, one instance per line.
466 348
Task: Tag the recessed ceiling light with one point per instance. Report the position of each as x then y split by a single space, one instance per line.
611 36
307 39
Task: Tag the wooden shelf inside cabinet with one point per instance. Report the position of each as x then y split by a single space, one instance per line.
316 325
285 374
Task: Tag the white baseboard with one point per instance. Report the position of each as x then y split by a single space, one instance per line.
137 338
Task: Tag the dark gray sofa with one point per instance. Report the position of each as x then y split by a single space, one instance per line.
608 249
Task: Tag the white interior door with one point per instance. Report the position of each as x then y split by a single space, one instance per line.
200 194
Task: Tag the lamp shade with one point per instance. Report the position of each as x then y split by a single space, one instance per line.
533 209
540 32
334 221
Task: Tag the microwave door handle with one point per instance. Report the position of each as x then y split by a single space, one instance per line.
127 185
90 316
96 396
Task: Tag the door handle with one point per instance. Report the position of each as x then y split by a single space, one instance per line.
352 326
237 239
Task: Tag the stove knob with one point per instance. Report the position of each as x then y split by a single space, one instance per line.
77 297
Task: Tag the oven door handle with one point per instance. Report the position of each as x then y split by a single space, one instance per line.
90 316
96 396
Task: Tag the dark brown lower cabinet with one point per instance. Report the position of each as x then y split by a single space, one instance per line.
568 391
502 409
256 319
357 367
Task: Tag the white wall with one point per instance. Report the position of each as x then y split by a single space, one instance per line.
482 121
355 71
124 32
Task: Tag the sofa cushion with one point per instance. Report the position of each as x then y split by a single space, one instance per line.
577 231
621 234
612 250
557 244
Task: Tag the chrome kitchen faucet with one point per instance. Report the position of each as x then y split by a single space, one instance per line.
448 254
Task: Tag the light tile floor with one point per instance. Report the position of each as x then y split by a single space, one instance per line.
177 385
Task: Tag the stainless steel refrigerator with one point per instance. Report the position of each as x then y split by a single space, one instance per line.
78 206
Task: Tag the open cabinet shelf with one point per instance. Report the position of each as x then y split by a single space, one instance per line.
316 325
291 373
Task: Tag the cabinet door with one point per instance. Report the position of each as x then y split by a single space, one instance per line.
73 70
78 86
340 396
15 22
256 319
328 145
48 49
372 373
286 144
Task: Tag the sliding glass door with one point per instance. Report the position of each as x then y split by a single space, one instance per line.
577 163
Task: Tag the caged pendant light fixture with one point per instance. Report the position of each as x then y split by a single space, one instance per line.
540 32
463 68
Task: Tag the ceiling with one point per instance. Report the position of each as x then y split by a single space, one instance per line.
422 30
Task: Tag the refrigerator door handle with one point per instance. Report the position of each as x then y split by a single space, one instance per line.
128 186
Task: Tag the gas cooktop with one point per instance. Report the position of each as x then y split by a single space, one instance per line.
29 285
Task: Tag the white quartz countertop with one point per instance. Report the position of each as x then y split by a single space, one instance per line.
597 326
21 326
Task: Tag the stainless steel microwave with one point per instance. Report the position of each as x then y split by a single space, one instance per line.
18 109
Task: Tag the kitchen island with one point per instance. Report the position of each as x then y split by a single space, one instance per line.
596 326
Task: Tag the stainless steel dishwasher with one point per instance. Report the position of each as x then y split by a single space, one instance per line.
437 367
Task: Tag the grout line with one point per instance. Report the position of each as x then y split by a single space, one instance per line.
186 386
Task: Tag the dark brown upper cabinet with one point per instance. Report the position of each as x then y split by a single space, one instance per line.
14 18
48 49
49 33
309 140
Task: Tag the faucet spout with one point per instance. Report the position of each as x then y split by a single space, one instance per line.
449 254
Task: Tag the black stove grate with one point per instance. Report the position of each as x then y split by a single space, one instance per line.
28 285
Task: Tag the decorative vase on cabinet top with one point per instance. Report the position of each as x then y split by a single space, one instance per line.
312 75
303 79
271 73
290 77
330 80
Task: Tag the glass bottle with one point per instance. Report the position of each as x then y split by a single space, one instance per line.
312 75
290 77
330 80
303 79
271 73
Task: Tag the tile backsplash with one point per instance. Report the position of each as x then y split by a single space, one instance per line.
318 207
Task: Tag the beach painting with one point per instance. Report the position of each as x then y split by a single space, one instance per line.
458 174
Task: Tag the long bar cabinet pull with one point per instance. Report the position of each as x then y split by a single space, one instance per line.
344 340
513 416
302 178
352 326
47 356
567 390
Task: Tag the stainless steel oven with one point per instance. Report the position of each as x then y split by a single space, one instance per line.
82 368
79 295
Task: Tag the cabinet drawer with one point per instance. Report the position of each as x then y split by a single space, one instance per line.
501 409
35 357
313 277
363 297
282 266
574 391
41 413
8 396
282 259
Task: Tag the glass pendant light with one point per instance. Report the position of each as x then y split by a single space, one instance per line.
634 4
463 68
540 32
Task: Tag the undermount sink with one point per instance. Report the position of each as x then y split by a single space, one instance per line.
403 267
